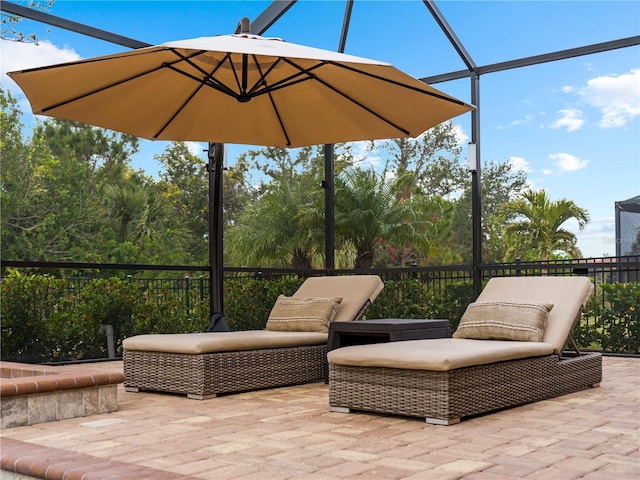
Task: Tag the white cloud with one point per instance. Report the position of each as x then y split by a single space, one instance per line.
527 118
519 163
616 96
546 171
21 55
567 89
567 162
571 119
196 148
460 135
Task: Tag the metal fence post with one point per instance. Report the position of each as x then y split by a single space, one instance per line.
187 284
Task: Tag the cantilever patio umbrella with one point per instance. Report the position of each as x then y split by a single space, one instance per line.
242 89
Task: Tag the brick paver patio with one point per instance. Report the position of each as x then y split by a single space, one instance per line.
289 433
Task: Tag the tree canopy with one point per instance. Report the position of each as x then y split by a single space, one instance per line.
69 193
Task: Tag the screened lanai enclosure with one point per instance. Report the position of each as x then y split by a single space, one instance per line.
628 227
628 235
429 36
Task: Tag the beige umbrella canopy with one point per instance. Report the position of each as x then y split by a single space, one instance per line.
241 89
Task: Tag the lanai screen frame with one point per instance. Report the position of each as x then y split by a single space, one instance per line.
259 26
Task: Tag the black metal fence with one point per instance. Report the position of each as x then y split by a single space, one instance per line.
611 322
193 282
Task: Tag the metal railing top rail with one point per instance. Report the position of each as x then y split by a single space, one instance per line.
627 263
99 266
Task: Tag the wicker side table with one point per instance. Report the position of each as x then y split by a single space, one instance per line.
342 334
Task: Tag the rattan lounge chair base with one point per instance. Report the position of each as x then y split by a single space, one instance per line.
202 376
445 397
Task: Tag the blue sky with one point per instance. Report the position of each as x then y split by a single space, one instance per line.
573 125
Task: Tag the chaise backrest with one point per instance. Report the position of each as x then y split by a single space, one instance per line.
357 292
567 294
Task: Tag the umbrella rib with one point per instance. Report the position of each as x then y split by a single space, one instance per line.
215 83
177 112
285 82
201 83
263 81
263 76
352 100
80 62
399 84
209 82
101 89
284 130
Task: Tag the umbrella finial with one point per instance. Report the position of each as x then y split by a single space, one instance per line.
245 25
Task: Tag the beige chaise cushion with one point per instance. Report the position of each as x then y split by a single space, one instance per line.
439 354
356 292
197 343
567 294
302 314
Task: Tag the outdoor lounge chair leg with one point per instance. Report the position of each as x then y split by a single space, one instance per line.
194 396
131 389
442 421
341 409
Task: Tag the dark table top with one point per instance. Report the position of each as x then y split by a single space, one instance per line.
388 324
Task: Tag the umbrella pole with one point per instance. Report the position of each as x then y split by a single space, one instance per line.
214 168
329 205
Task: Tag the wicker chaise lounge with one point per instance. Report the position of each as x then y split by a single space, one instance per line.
444 380
203 365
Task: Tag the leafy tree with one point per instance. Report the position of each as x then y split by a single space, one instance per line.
277 165
126 206
284 225
433 159
270 233
144 216
160 221
10 23
236 190
105 154
500 183
50 209
536 221
185 183
368 213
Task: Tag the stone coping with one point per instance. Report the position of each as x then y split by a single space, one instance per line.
37 461
27 379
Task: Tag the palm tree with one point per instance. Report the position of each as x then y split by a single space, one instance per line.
159 219
368 212
269 232
143 215
535 226
127 205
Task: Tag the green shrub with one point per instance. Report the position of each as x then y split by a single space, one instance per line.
28 301
43 320
248 302
619 320
412 299
451 303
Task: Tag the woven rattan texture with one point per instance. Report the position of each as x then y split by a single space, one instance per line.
462 392
224 372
